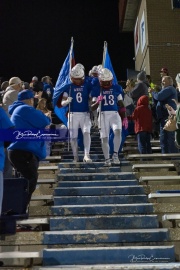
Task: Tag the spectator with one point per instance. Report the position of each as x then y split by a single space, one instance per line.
128 103
25 155
5 123
11 93
164 72
4 86
34 79
140 89
43 108
163 97
25 86
39 93
178 86
142 117
47 86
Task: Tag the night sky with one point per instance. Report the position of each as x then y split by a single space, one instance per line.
36 34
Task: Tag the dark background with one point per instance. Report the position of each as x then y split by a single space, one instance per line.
36 35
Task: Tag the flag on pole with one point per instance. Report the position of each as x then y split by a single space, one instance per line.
107 63
62 80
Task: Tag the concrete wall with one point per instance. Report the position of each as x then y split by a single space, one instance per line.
162 27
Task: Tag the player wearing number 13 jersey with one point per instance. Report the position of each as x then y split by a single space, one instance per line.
108 98
76 95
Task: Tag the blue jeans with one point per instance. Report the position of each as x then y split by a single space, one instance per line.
144 142
1 190
167 139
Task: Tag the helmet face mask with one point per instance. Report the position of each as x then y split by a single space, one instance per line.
78 81
106 84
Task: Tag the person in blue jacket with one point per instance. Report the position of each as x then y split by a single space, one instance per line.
5 123
168 95
25 155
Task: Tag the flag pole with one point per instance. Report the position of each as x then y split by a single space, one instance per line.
103 62
70 67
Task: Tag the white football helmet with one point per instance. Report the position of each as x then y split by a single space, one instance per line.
105 75
77 72
105 78
77 75
94 72
80 65
99 67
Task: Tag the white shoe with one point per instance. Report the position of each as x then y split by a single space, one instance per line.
115 159
76 159
107 163
87 159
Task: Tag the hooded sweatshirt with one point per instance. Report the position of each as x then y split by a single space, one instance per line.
142 116
26 117
10 95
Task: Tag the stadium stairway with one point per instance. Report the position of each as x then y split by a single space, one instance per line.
101 219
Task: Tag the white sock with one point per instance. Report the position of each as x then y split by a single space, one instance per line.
74 146
87 143
105 147
117 140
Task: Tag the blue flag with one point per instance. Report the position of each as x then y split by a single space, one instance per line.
62 80
108 64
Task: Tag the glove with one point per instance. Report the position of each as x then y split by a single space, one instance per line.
66 102
69 99
99 99
125 123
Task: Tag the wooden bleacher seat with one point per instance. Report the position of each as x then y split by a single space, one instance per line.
152 156
128 149
165 178
138 167
42 198
165 196
33 221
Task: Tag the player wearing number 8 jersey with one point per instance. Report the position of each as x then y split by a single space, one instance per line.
77 95
109 98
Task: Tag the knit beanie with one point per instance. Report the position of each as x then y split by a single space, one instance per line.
141 76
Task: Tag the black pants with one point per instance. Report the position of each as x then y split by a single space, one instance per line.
27 165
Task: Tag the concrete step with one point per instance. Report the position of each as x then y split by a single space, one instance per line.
103 222
108 199
105 236
96 176
94 157
130 266
108 255
73 165
102 209
97 183
92 170
97 148
98 191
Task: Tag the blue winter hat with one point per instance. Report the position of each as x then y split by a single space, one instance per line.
25 94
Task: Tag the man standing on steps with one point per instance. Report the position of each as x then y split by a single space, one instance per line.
76 95
108 97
